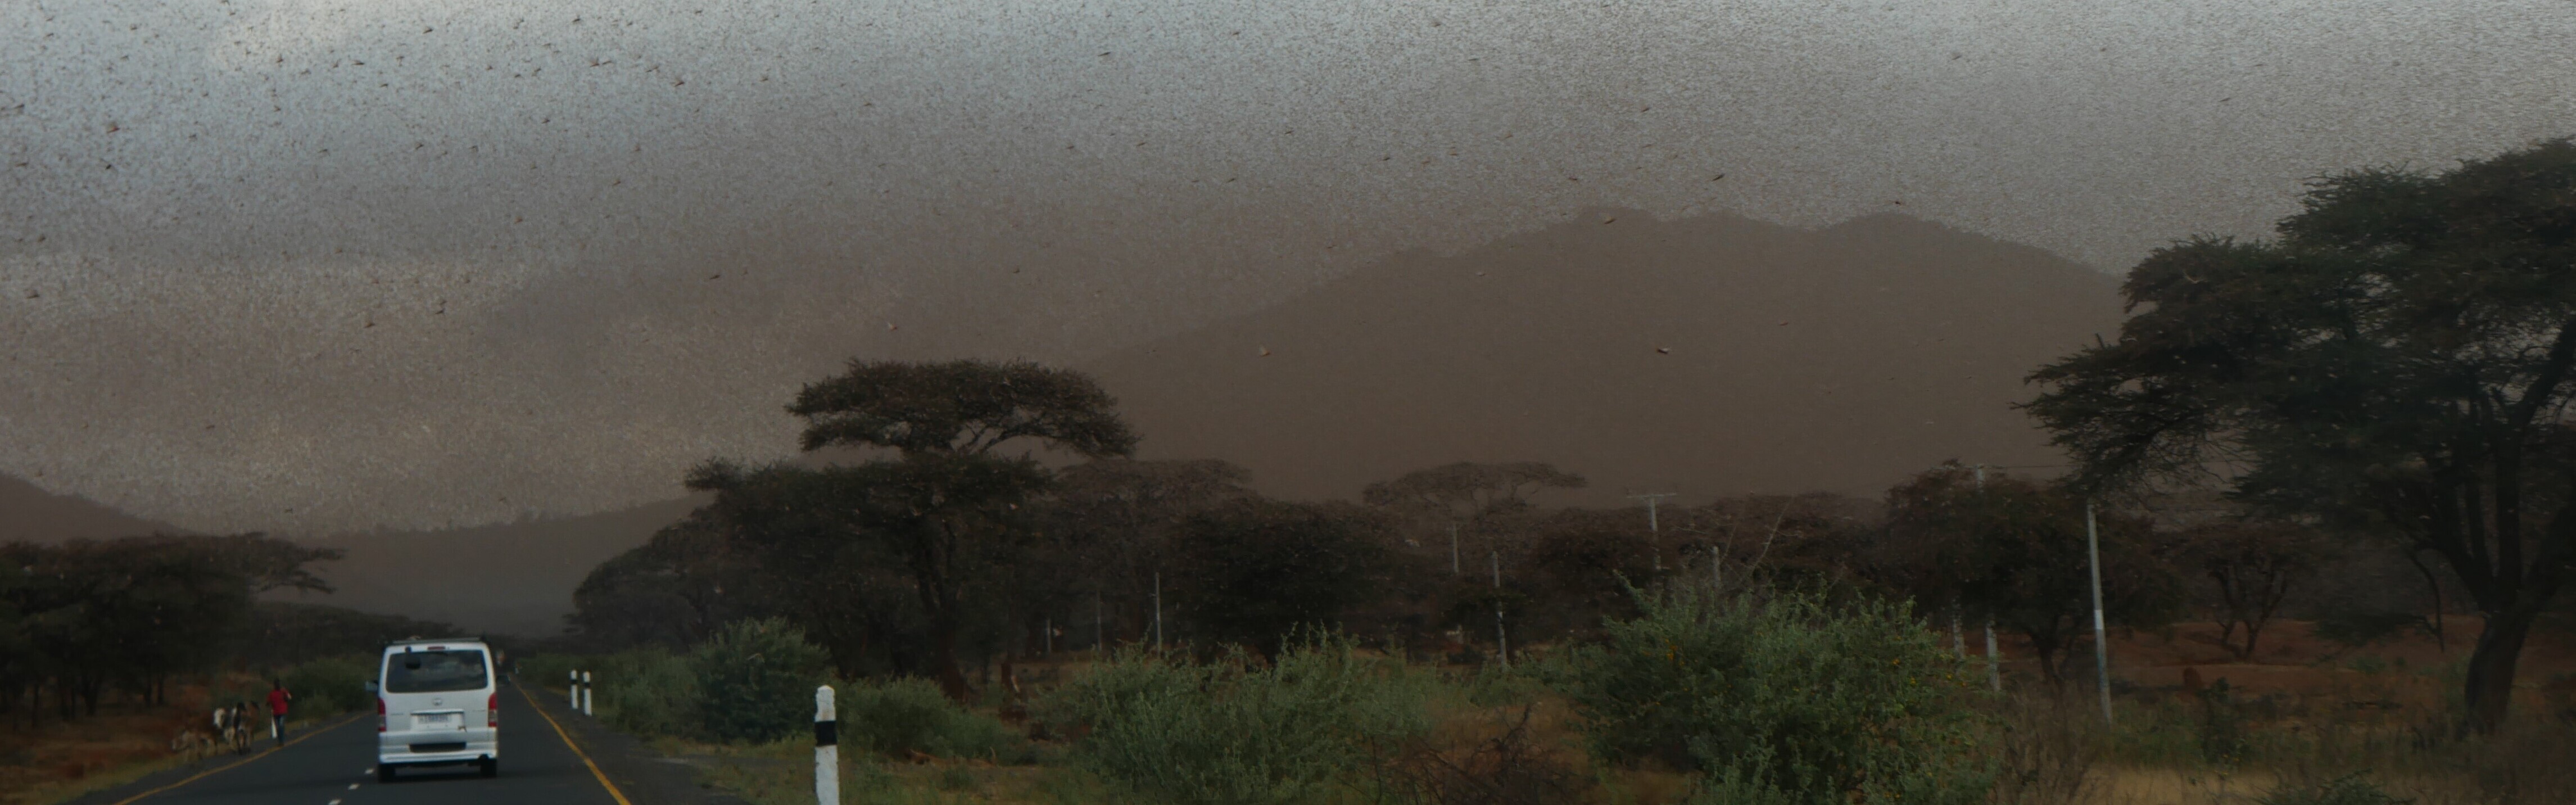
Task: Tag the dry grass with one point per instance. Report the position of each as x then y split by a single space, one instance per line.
2307 720
57 760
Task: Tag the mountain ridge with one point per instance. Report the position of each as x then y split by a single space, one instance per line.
1704 355
1486 354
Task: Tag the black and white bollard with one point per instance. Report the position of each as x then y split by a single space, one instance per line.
572 690
585 693
827 749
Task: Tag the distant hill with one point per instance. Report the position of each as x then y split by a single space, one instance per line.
1707 355
510 578
28 513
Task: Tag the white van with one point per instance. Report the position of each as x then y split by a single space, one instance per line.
437 704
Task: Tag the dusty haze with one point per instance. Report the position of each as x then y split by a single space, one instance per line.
325 267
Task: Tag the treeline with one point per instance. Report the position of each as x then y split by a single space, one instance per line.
946 551
84 620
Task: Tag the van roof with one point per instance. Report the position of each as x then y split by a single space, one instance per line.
421 641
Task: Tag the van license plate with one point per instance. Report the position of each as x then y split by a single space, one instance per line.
437 721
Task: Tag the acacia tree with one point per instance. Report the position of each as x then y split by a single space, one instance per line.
135 610
1470 495
2015 551
2253 565
1259 570
1810 538
1117 518
676 589
947 502
2398 359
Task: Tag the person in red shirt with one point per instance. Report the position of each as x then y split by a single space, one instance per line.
277 699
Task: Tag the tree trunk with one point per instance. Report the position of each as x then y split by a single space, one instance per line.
2433 583
2491 667
2048 651
943 655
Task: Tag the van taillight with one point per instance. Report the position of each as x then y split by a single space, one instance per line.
492 711
380 714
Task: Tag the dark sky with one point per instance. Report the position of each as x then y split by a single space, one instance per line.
307 266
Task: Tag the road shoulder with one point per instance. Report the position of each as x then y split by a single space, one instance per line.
205 766
646 776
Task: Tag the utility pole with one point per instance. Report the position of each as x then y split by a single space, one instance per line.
1994 662
1502 642
1653 527
2101 646
1453 550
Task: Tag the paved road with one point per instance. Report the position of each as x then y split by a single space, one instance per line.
334 763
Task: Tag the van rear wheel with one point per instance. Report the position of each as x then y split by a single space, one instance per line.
384 772
491 766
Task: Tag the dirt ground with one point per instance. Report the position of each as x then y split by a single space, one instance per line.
2298 671
55 759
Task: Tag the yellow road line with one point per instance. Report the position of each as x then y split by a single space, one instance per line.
613 793
263 753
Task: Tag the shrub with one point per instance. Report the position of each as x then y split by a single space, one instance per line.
910 715
2222 725
1236 733
329 686
756 681
1784 701
1492 686
649 692
547 671
1512 767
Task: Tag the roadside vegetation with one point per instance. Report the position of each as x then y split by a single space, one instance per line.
113 653
1761 696
2323 483
2387 374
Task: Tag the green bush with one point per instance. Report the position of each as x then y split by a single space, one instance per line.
1789 701
329 686
910 715
756 680
2222 725
1492 686
547 671
1237 733
648 692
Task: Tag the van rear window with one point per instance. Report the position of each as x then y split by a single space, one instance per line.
434 671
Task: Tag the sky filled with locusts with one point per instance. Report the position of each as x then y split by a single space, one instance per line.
306 266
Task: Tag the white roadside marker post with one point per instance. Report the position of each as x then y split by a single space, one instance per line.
586 689
2101 649
1994 662
827 750
1502 642
572 690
